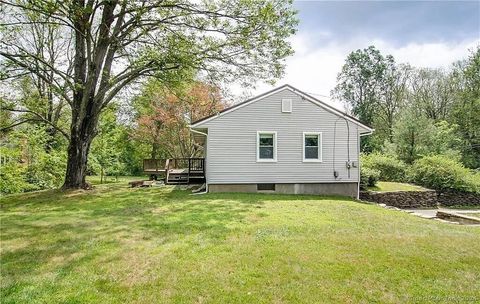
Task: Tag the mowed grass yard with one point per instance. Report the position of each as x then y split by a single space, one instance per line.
157 245
393 186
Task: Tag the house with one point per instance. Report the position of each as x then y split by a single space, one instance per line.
282 141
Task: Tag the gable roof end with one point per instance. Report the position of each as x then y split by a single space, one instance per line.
283 87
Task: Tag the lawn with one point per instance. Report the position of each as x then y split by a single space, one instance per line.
154 245
95 179
393 186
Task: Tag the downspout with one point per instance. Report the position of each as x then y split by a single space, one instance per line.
335 173
358 155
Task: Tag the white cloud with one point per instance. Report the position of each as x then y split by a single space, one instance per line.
430 54
314 68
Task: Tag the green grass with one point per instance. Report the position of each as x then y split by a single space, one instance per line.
393 186
95 179
117 244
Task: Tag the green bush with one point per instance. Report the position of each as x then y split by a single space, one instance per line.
12 179
47 170
390 168
368 177
442 173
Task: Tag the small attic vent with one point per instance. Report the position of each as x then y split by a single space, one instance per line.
286 106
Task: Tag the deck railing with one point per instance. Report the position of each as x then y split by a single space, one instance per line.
155 165
195 164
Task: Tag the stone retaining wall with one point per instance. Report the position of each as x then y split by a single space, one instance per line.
458 199
456 217
402 199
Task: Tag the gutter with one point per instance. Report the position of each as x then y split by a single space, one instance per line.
198 132
367 133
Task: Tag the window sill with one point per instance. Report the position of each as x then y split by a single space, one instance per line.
312 161
266 160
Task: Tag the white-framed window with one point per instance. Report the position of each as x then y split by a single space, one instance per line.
266 146
312 146
286 106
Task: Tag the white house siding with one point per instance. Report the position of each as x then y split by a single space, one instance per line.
231 147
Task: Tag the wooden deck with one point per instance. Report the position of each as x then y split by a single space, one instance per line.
176 170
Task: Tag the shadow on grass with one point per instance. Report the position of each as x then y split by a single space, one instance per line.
70 228
62 230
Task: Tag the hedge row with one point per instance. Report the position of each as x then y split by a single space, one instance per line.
435 172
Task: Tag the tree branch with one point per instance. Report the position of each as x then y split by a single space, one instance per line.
39 118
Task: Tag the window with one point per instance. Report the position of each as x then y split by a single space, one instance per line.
312 147
265 187
266 146
286 105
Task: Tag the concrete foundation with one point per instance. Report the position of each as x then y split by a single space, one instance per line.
232 188
345 189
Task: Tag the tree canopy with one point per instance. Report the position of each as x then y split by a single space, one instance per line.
415 111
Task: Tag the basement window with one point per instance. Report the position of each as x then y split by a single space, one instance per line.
265 187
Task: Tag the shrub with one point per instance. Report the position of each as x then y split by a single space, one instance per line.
368 177
389 167
442 173
11 179
47 170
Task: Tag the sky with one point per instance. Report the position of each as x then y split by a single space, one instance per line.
422 33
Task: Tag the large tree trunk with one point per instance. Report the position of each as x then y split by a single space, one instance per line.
77 163
82 134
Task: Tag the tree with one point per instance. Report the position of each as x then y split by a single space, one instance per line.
393 95
114 43
106 148
416 135
164 116
31 105
35 100
411 132
374 89
466 109
433 92
26 164
361 80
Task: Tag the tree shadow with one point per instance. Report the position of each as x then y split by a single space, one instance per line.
63 230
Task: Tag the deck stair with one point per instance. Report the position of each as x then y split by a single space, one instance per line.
177 176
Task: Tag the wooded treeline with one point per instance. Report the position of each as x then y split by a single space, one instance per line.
415 111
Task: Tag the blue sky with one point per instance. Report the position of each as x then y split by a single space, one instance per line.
422 33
